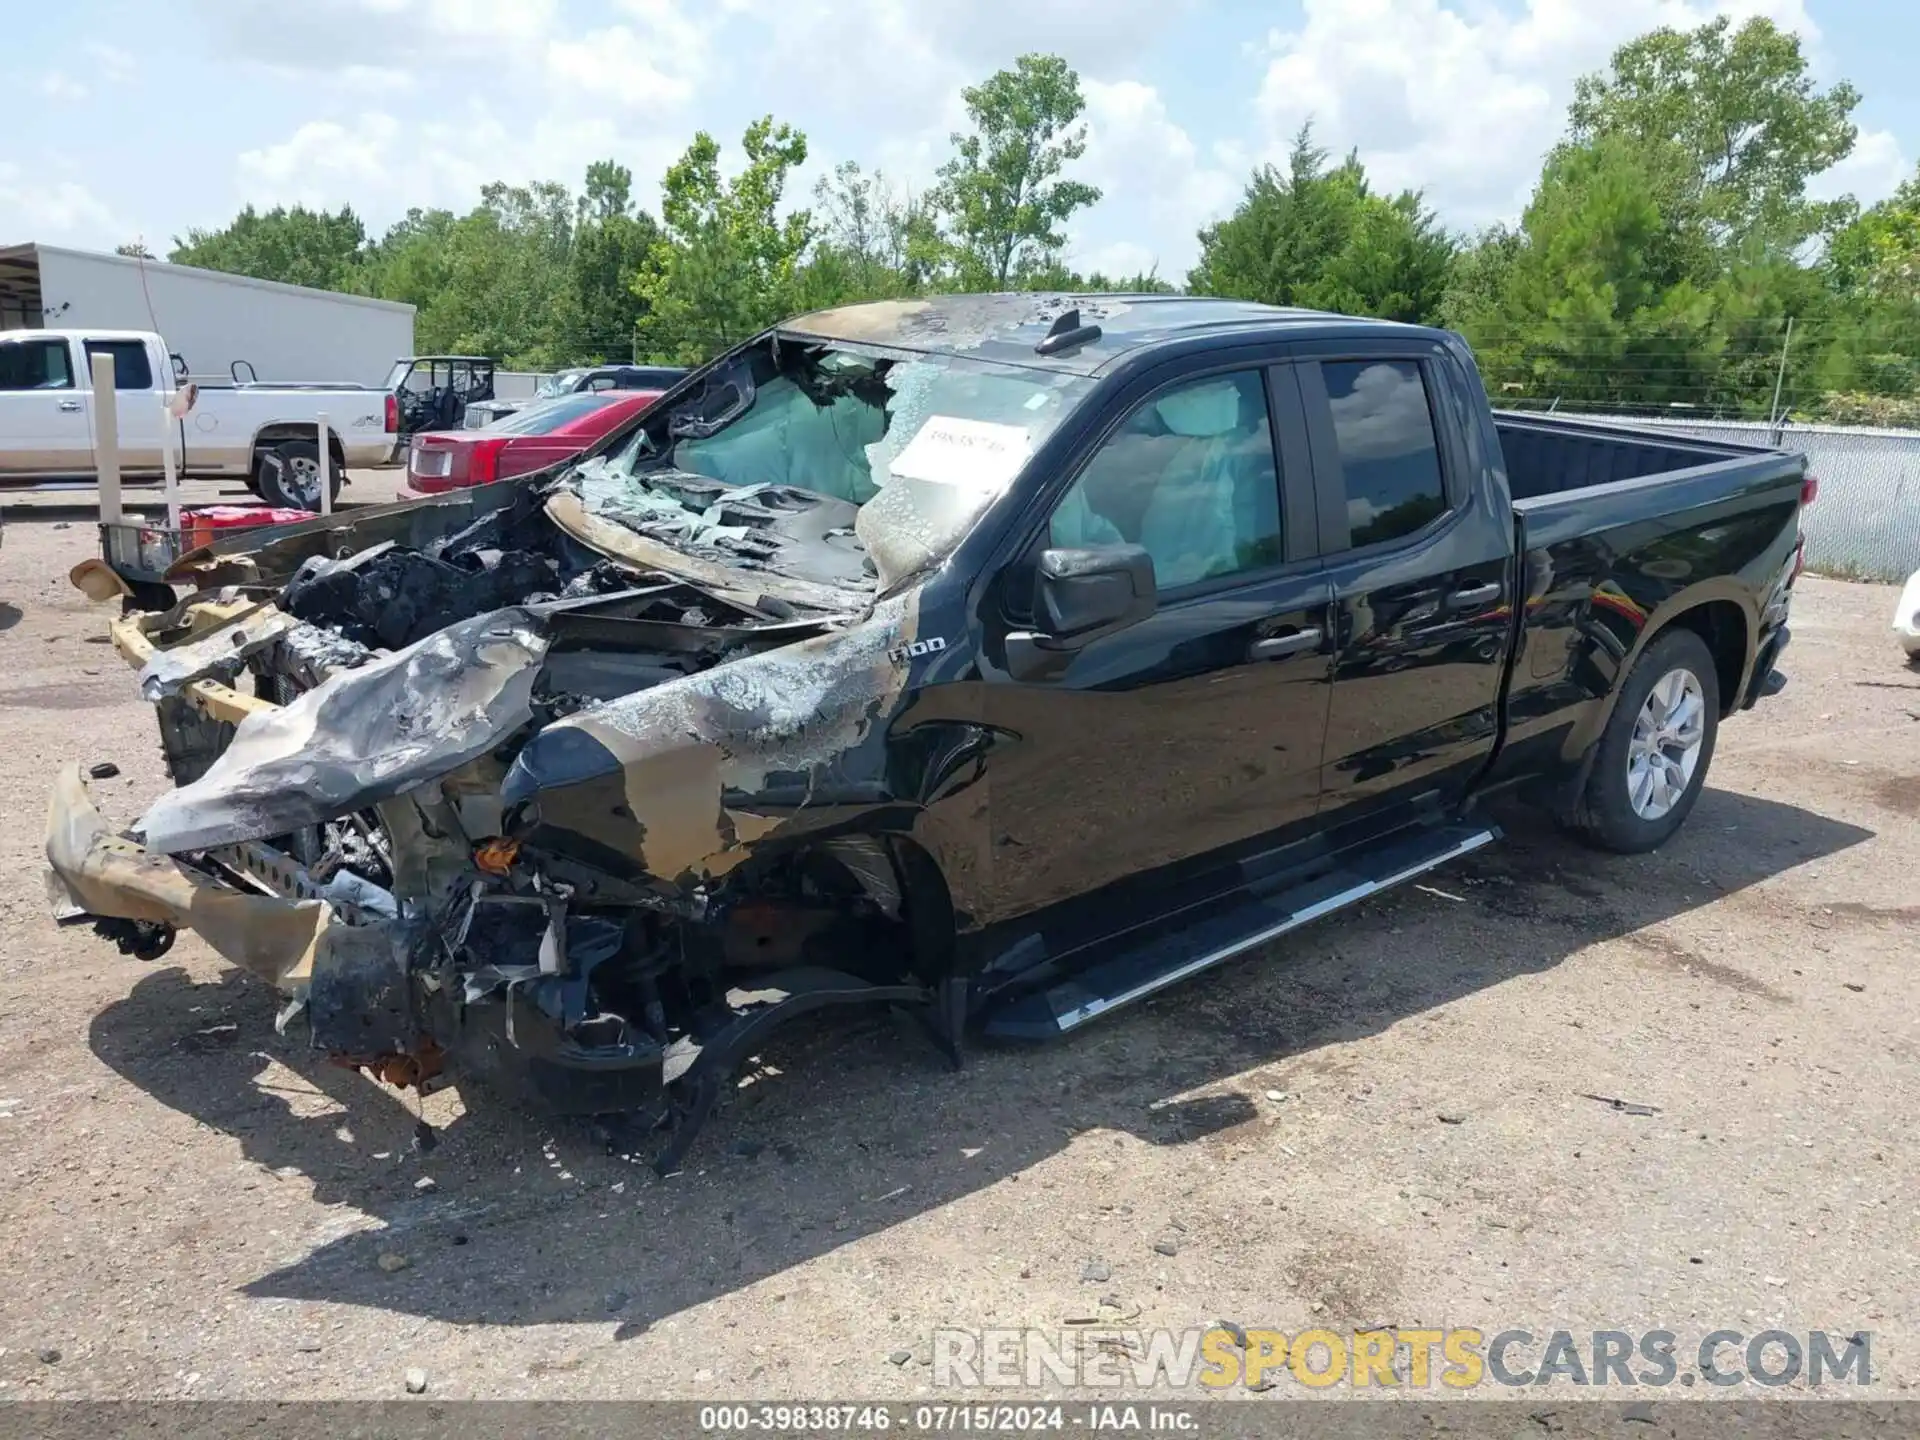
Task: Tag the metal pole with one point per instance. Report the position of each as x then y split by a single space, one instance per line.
1779 379
326 480
171 469
106 439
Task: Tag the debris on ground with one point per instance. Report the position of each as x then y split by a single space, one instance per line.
1096 1271
1625 1107
416 1381
105 770
392 1261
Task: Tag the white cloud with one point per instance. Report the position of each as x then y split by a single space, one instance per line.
1871 173
655 67
1148 168
58 85
564 98
114 64
414 36
1461 101
41 207
324 163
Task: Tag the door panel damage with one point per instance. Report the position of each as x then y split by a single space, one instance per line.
548 786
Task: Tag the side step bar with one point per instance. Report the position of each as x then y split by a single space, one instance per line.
1171 956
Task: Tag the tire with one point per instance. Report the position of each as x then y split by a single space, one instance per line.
288 475
1680 666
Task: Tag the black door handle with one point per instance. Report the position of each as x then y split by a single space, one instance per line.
1276 646
1474 595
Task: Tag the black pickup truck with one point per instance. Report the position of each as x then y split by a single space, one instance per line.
1000 658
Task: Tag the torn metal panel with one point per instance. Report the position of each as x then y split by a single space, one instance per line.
361 737
659 765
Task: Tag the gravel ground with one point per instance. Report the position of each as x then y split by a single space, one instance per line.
194 1207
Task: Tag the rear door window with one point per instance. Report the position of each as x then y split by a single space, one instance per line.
131 368
1389 457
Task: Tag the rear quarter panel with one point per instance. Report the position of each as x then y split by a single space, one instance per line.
1605 571
222 427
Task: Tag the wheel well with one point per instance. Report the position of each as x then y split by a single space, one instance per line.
273 435
928 906
1724 627
897 876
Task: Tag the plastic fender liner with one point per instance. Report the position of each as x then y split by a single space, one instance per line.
783 996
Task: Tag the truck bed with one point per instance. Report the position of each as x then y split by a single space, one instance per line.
1547 455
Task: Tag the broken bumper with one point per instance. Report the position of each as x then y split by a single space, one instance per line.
95 873
366 1004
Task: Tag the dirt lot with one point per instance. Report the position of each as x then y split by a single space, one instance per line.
194 1207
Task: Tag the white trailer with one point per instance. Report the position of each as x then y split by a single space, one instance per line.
213 320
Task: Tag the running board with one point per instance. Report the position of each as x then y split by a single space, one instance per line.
1171 956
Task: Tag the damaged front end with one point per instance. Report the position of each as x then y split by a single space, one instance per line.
496 786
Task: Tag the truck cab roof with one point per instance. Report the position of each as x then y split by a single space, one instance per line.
80 334
1008 327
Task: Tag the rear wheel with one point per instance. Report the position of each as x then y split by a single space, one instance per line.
289 475
1652 759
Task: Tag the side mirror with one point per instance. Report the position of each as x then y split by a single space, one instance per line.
1078 597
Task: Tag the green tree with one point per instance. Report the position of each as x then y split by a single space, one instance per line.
869 242
134 250
1478 276
1877 256
1743 111
611 242
1001 195
1869 369
1058 276
725 261
1319 237
495 281
1596 303
296 247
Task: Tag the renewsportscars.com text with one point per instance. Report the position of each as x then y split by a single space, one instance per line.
1461 1358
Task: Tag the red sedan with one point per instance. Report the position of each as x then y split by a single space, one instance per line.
543 434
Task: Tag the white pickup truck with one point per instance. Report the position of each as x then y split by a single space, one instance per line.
266 434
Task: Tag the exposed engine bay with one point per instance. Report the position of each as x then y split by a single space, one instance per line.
564 782
489 801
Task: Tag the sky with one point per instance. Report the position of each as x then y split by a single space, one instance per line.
138 119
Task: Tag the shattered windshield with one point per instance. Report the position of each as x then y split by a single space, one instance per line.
834 463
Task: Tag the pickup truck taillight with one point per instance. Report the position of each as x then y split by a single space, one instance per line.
393 415
1809 492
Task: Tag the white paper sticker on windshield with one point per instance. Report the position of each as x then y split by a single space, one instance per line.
974 454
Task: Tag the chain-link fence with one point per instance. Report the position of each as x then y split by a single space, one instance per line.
1866 523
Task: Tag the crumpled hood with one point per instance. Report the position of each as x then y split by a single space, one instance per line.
361 736
651 774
